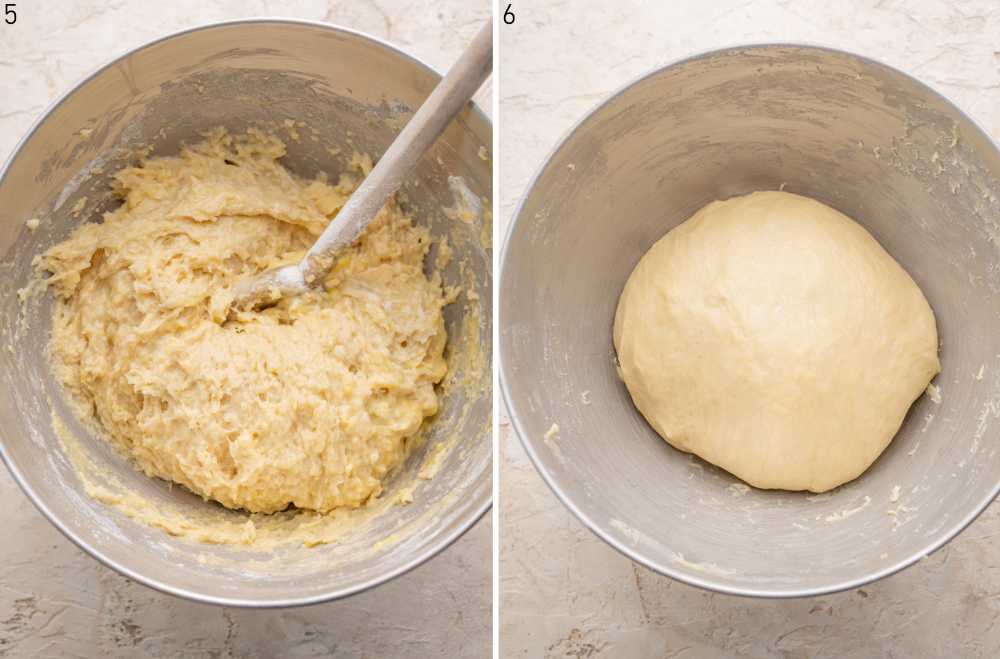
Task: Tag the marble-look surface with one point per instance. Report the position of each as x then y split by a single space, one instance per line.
56 601
564 592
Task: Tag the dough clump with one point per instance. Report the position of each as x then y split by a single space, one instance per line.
772 336
308 403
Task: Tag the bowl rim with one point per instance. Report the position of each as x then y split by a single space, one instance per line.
609 537
433 548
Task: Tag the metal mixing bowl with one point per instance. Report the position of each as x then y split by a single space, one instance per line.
356 92
848 131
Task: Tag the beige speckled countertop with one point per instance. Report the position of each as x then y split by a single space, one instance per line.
564 592
55 601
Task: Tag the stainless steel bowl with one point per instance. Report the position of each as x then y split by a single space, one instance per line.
848 131
356 92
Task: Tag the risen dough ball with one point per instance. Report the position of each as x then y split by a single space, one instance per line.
774 337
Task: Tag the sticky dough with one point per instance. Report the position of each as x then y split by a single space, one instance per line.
308 403
774 337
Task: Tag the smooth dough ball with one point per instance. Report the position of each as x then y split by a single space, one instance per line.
772 336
